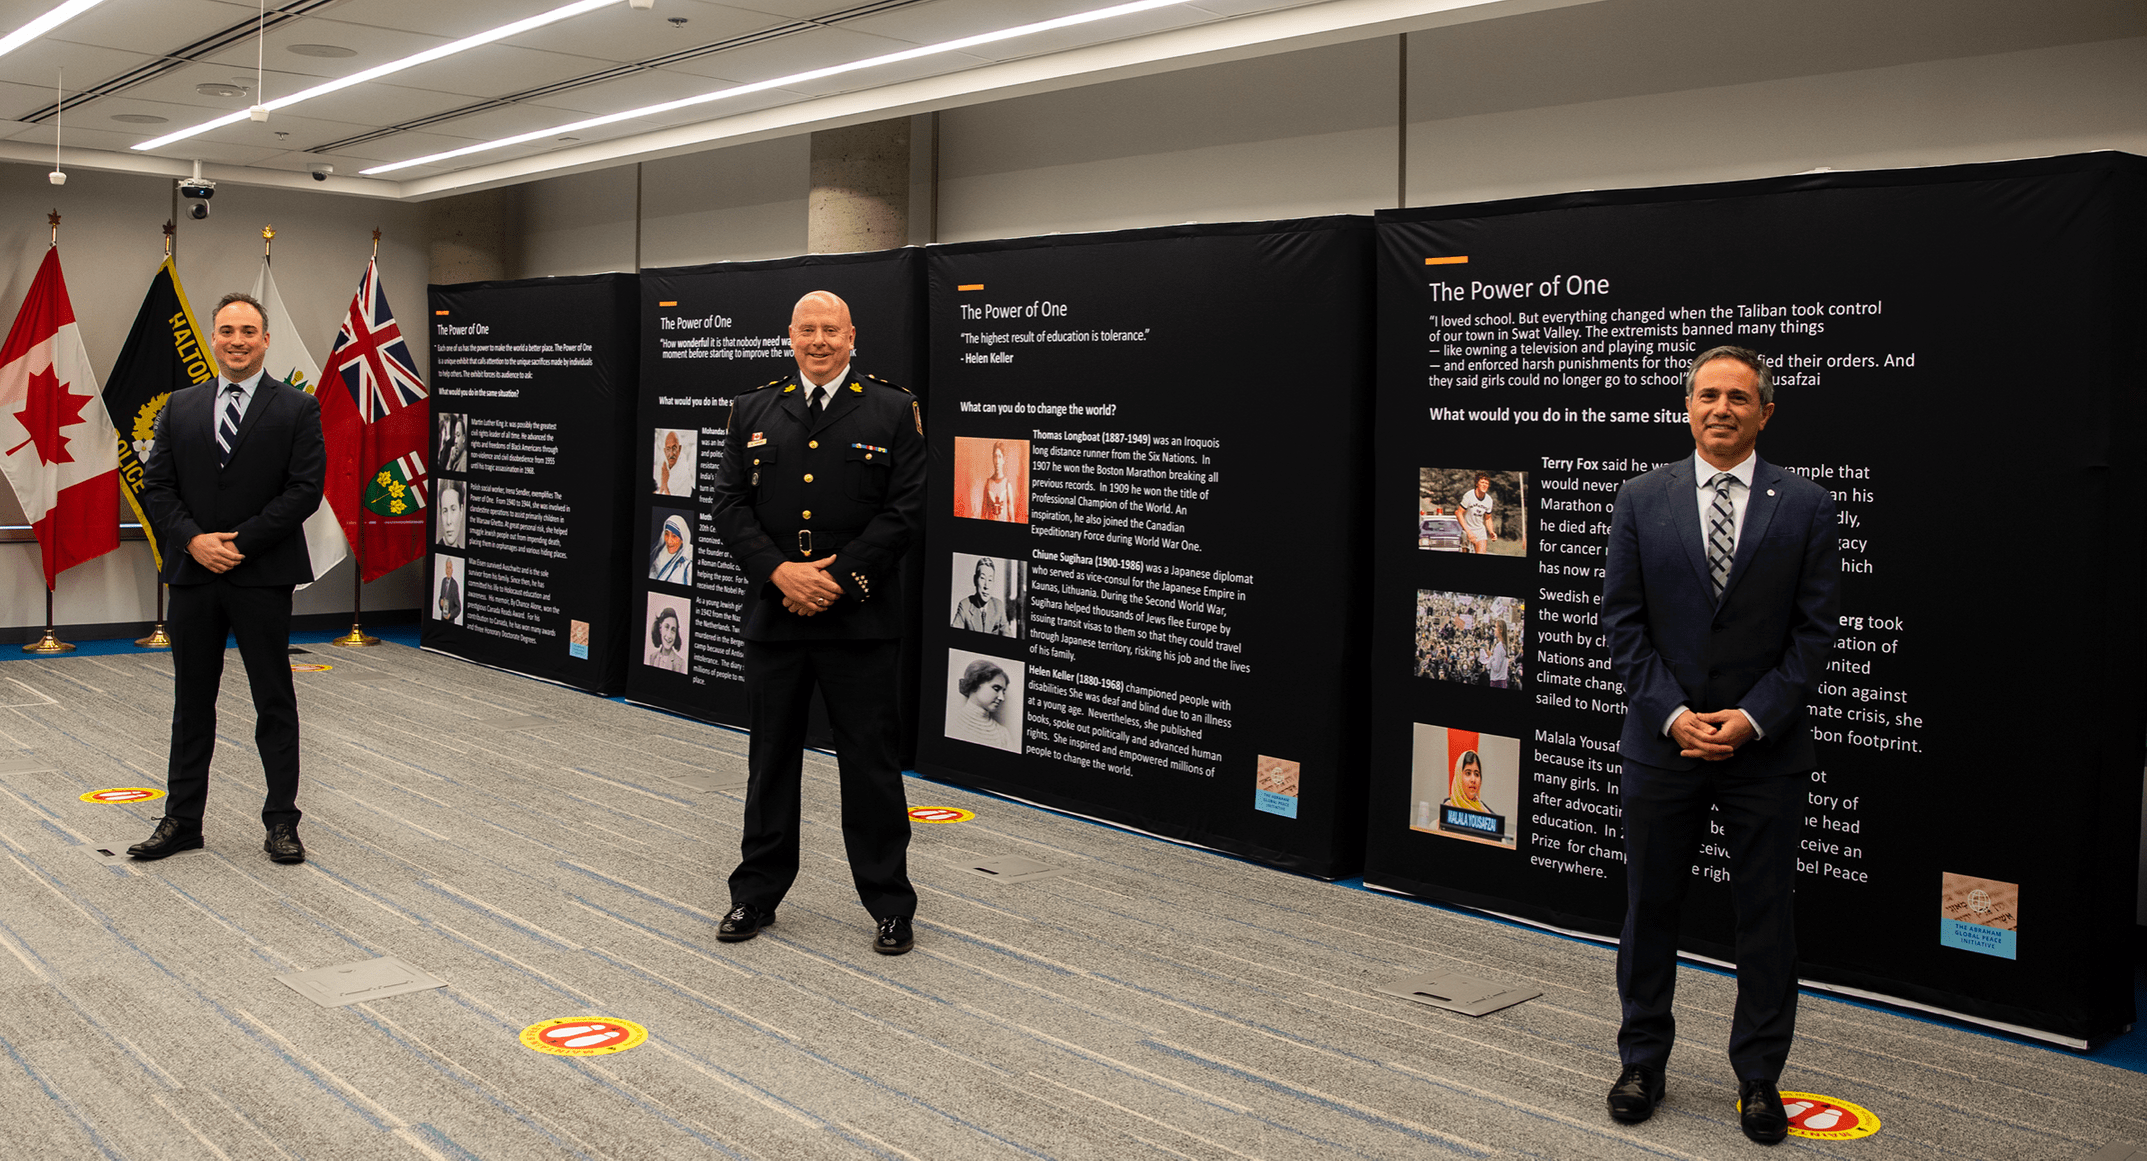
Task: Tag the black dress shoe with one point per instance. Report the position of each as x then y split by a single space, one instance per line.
1760 1105
1638 1091
743 922
170 837
894 937
282 844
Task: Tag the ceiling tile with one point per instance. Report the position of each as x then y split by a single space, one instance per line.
790 54
86 65
618 33
153 28
373 46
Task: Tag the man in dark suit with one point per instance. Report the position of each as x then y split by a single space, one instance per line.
820 491
237 469
1720 590
450 603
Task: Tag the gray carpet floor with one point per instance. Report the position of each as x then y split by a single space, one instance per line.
1157 1001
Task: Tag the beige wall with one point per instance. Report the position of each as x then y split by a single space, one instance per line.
111 241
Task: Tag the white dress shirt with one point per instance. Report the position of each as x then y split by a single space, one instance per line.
826 391
1703 474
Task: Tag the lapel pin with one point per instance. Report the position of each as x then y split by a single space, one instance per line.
1770 491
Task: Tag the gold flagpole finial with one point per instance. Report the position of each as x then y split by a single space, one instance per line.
54 218
268 235
376 241
168 229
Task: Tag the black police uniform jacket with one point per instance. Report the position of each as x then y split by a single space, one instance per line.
850 485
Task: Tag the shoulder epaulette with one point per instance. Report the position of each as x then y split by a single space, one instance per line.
885 383
770 383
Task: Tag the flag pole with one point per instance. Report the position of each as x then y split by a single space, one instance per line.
357 635
158 638
50 642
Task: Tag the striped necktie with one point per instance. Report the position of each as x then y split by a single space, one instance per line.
1721 533
227 428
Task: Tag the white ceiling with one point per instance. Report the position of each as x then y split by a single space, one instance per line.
142 58
145 58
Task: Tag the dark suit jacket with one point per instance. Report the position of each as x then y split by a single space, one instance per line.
854 480
265 494
1761 650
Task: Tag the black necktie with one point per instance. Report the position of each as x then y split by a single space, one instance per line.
813 406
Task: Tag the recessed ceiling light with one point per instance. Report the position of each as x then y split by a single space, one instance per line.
140 118
326 50
394 66
43 24
809 75
220 89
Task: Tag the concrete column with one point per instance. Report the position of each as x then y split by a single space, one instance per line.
860 197
468 236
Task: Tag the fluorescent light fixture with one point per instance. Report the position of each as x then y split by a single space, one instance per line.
394 66
784 82
45 24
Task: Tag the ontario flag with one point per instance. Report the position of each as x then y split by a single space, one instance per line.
375 417
57 445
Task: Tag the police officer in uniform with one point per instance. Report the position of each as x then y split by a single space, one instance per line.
820 492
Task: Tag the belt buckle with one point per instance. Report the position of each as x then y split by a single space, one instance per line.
805 542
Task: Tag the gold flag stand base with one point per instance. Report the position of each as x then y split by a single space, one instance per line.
157 638
49 643
357 637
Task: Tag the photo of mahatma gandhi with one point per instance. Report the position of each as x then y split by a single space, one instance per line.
1471 510
672 473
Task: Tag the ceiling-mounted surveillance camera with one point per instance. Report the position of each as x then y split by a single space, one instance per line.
199 190
321 172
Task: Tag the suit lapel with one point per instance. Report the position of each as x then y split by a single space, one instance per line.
793 400
1760 505
1685 517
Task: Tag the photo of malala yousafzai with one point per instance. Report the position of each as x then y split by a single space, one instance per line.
1465 785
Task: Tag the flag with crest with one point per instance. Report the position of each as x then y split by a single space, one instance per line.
57 445
376 418
164 352
290 362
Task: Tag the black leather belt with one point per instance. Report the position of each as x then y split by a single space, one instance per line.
812 545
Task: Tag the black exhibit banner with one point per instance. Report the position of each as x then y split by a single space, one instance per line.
532 398
706 334
1141 599
1946 347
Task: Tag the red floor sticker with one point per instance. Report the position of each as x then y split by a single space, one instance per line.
1823 1118
121 795
583 1036
940 814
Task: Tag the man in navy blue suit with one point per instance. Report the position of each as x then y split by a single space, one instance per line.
1721 586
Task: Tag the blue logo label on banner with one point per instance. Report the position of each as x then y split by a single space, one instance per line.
1273 803
1978 938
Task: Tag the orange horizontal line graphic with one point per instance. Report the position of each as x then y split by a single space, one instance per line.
439 312
1456 260
970 286
668 302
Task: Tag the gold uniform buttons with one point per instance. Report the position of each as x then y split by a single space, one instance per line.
809 443
808 513
808 477
868 455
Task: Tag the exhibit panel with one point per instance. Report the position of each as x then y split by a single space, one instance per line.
532 398
708 333
1947 364
1146 572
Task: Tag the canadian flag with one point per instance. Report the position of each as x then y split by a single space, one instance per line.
57 445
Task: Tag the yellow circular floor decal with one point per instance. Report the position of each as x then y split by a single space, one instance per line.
940 814
583 1036
309 667
1823 1118
121 795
